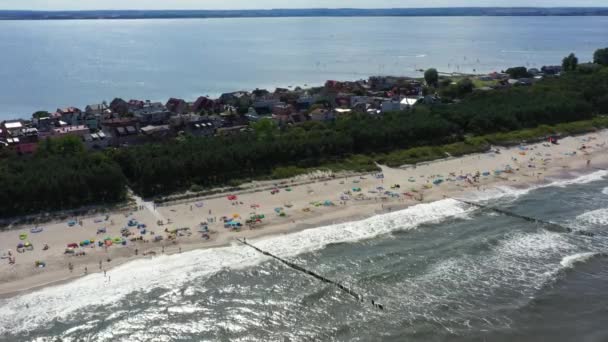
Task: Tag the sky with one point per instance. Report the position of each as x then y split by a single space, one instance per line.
263 4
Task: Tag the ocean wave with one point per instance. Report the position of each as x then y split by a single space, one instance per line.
570 260
502 191
596 217
62 301
605 191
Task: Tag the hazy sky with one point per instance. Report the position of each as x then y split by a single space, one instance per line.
248 4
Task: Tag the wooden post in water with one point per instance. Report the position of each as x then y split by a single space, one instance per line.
343 288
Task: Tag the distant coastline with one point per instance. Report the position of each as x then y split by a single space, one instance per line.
315 12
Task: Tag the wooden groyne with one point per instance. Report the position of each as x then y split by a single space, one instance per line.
343 288
550 225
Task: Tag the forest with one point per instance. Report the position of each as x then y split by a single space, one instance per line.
63 175
60 175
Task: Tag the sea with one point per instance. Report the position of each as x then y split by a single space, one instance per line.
45 65
442 271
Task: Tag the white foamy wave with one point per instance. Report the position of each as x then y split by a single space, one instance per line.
584 179
59 302
523 262
502 191
571 260
605 191
597 217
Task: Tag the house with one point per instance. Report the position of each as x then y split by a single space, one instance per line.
390 106
233 98
322 114
121 131
15 135
342 111
44 124
551 69
202 104
152 113
76 130
282 109
192 124
264 105
96 141
304 102
11 128
177 106
409 102
119 106
343 100
96 109
69 115
156 132
232 130
135 105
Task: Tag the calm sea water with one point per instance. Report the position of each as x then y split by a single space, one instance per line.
443 271
50 64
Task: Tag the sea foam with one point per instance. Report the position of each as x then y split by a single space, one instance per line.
172 271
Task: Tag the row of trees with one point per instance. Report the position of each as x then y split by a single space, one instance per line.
62 174
164 168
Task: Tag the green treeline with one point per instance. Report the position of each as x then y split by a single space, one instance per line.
62 175
164 168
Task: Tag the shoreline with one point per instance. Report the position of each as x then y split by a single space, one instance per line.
23 277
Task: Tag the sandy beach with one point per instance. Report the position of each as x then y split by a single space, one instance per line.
283 210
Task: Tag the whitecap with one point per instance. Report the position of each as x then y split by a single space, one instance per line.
570 260
170 272
596 217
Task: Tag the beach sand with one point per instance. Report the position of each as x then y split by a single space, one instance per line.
534 164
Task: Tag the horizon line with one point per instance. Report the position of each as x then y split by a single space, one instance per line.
305 8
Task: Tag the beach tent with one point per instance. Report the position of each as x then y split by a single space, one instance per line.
101 230
71 223
199 204
232 197
22 236
36 230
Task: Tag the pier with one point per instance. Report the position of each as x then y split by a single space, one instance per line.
550 225
343 288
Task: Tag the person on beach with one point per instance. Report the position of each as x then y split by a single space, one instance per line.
86 270
70 267
100 264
